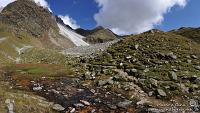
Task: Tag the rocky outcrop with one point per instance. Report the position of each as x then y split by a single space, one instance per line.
25 15
97 35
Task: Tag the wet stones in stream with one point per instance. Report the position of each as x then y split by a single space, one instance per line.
70 96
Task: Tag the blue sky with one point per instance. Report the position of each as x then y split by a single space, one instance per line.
83 11
188 16
80 10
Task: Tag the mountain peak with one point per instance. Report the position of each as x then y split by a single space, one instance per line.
99 28
26 15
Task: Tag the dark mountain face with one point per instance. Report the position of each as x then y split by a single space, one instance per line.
191 33
59 20
97 35
25 15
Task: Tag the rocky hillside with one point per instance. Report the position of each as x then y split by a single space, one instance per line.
97 35
163 65
25 25
25 15
191 33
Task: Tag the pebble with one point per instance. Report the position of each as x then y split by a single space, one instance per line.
78 105
73 110
85 102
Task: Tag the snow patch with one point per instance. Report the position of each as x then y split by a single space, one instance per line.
74 37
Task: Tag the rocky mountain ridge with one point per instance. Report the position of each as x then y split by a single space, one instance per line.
97 35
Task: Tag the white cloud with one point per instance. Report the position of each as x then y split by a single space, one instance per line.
69 21
133 16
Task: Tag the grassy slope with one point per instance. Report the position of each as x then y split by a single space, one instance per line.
191 33
149 56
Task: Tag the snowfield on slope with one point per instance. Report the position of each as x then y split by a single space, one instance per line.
71 35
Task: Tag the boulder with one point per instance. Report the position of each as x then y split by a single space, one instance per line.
189 61
141 103
172 56
150 93
124 104
10 105
136 46
161 93
197 67
87 75
106 81
197 81
154 82
194 57
39 88
58 107
173 76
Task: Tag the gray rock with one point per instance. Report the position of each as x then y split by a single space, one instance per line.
136 46
10 105
150 93
85 102
142 81
146 70
93 110
87 75
184 88
58 107
102 82
54 91
141 103
93 76
93 91
197 67
78 105
173 76
154 82
72 110
106 81
133 70
161 93
112 106
171 55
194 57
189 61
39 88
128 57
124 104
197 81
